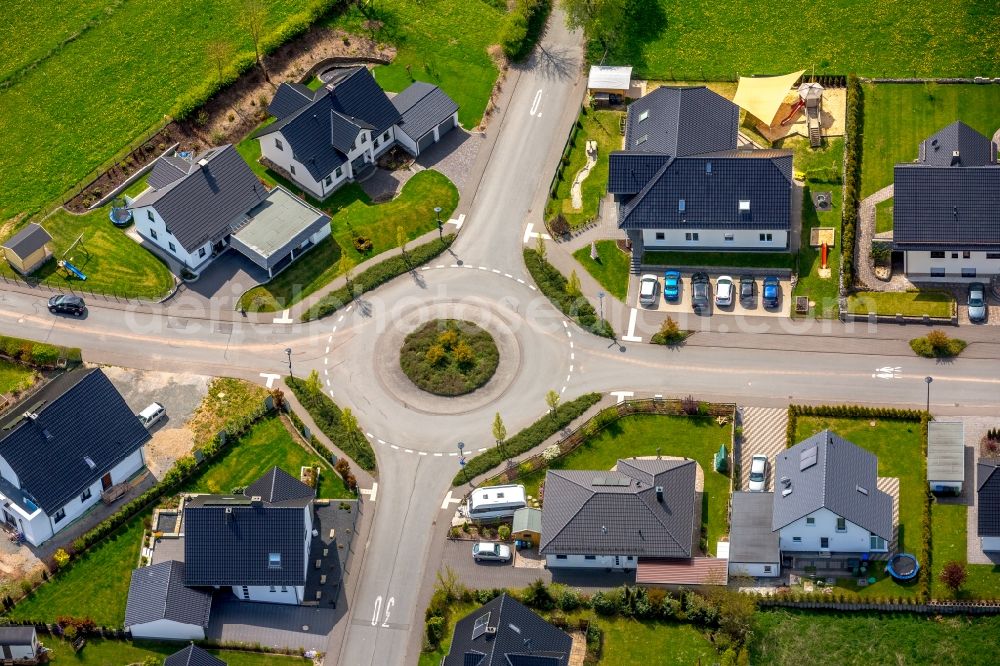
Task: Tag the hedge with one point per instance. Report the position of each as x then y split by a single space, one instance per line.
527 439
37 353
523 27
378 275
552 283
852 174
327 416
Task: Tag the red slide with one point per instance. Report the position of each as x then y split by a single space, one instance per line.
795 109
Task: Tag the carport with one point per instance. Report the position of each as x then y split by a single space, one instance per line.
278 230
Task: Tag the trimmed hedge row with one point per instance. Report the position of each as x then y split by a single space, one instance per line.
37 353
327 416
378 275
852 173
522 27
552 283
527 439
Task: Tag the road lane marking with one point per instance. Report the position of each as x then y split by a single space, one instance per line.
536 102
371 492
529 233
448 499
459 222
621 395
631 337
284 318
270 377
888 372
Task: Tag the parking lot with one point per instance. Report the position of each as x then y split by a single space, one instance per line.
683 303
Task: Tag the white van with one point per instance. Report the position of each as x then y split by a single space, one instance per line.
149 416
494 502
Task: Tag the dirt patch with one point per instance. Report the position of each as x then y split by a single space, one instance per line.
166 447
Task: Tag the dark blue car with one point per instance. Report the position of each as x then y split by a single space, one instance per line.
772 292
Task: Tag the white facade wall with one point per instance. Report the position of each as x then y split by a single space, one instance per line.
599 562
714 239
991 544
318 188
919 264
23 651
384 143
289 594
406 141
755 569
7 472
854 539
168 630
146 226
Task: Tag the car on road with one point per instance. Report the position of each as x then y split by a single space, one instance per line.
648 286
700 291
487 551
724 290
758 474
67 304
748 291
977 302
671 285
772 292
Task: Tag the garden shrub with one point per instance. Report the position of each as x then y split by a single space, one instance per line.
37 353
937 344
522 27
328 418
852 173
604 603
553 284
569 600
537 595
503 532
435 630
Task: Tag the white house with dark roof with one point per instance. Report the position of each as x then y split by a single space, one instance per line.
161 607
988 503
62 448
753 546
18 643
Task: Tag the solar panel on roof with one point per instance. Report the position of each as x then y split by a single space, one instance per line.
479 628
808 457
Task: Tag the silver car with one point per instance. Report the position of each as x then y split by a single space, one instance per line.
486 551
758 474
977 302
724 291
648 288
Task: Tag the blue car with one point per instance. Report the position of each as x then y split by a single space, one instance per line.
671 285
772 292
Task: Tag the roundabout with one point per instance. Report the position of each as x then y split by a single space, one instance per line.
449 357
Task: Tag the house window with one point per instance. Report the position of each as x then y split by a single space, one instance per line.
376 142
767 568
875 542
60 514
993 255
681 205
954 255
968 272
273 589
937 272
278 145
329 180
590 557
339 172
824 543
841 525
149 216
173 248
291 167
796 539
152 232
661 235
641 140
385 137
766 238
85 495
284 588
729 238
201 252
274 560
691 236
560 557
629 558
810 521
364 138
937 255
966 254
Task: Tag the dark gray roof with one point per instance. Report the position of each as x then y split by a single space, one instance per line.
16 635
192 655
158 592
80 417
842 478
200 206
358 96
751 539
278 486
343 132
422 107
28 240
167 169
681 121
939 207
972 148
289 98
711 187
617 513
988 487
520 638
945 451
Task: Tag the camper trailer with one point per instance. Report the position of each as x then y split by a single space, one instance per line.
494 503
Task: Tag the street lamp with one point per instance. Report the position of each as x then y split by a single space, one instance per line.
600 297
288 351
437 216
928 381
461 459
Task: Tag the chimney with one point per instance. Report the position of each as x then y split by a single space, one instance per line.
203 163
659 494
256 501
956 157
229 514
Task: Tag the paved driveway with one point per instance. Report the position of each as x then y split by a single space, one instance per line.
763 433
454 156
683 304
223 282
274 625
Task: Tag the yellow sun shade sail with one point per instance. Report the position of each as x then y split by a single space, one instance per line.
762 96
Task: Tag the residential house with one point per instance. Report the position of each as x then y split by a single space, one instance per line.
682 184
193 210
946 457
192 655
505 632
28 249
322 139
61 448
988 503
18 643
946 207
160 606
608 520
753 546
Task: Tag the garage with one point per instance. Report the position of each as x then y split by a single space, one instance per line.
446 127
426 141
426 114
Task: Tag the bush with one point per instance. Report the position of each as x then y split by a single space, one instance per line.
537 595
558 226
937 344
522 27
61 557
569 600
37 353
553 284
503 532
435 631
604 603
378 275
669 334
328 418
363 244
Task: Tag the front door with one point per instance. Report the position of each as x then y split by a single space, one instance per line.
106 481
7 518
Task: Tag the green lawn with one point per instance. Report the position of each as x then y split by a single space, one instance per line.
673 39
101 652
351 214
899 117
100 93
15 377
628 642
697 437
610 269
883 216
600 126
910 303
948 527
438 41
898 447
673 259
458 610
856 638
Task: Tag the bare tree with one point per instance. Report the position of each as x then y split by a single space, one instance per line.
252 19
220 53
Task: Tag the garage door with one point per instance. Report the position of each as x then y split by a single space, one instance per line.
446 126
425 142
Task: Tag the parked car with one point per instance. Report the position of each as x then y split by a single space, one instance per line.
758 474
748 291
700 291
63 304
150 415
772 292
724 290
486 551
671 285
648 286
977 302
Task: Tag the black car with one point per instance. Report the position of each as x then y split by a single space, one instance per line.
772 292
748 291
700 286
63 304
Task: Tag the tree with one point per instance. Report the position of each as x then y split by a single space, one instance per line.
499 430
938 340
953 575
601 20
61 557
434 354
313 384
345 266
350 423
540 246
670 331
401 239
463 353
252 18
220 53
573 285
552 400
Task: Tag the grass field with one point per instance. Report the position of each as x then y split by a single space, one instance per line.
948 527
628 642
909 303
101 652
610 269
438 41
697 437
600 126
672 39
15 377
898 447
883 216
899 116
671 259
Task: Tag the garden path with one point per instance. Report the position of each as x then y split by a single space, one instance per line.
577 190
866 221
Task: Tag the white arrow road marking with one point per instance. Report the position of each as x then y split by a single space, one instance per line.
536 102
631 337
621 395
270 378
372 492
284 318
448 499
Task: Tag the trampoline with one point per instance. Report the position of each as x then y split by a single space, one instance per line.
903 566
120 217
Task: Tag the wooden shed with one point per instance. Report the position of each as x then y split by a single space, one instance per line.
610 80
28 249
527 526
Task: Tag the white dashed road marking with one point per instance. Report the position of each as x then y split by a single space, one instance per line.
631 337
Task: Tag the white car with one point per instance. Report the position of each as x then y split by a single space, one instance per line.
648 288
724 290
486 551
152 414
758 474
